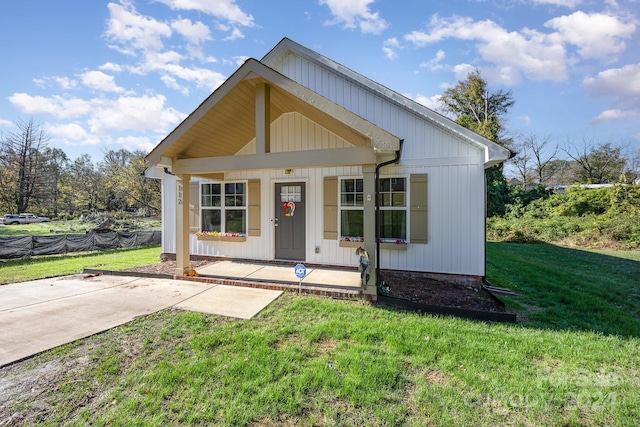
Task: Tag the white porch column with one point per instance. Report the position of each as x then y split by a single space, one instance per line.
182 224
369 188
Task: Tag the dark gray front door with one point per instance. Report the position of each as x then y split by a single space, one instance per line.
290 221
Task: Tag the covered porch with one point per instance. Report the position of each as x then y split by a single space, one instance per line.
232 134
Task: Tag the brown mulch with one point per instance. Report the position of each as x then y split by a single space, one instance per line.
424 290
416 289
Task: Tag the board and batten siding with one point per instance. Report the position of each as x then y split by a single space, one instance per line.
454 171
455 238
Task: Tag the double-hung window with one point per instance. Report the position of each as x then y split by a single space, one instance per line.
224 207
393 209
351 209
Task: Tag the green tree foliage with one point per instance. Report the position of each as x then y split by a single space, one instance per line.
474 107
598 163
37 178
600 217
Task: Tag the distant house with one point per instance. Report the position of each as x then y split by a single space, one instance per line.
286 159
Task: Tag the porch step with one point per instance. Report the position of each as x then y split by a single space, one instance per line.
306 289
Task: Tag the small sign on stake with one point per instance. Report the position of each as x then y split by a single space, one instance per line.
300 271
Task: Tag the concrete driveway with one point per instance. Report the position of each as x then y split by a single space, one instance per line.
43 314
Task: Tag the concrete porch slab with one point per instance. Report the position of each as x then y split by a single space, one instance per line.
341 278
229 269
318 276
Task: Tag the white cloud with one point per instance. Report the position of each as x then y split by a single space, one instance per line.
98 80
136 143
57 106
65 82
132 113
435 63
354 14
227 10
596 35
131 31
390 48
235 34
6 123
110 66
536 55
432 102
195 33
462 71
72 134
610 115
126 113
620 84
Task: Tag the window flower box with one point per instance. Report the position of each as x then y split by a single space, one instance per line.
391 244
221 237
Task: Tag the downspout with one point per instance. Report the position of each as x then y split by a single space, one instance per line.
378 167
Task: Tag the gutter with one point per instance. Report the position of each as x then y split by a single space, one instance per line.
377 236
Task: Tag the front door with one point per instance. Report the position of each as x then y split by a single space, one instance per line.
290 221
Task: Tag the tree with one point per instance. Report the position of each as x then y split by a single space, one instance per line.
20 160
84 183
523 163
534 159
475 108
114 190
54 167
599 163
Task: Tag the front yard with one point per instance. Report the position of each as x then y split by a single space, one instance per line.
315 361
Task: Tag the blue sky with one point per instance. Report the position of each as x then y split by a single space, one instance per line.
101 75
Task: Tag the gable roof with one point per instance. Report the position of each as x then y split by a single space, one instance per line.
494 153
226 121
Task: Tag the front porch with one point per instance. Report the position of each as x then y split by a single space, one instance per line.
335 282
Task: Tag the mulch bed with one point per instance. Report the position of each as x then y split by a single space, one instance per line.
428 291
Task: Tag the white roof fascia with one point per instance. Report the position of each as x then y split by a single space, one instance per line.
494 153
381 139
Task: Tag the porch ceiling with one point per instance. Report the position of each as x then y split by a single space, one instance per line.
225 122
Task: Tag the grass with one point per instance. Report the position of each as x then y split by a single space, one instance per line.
312 361
573 289
321 362
20 270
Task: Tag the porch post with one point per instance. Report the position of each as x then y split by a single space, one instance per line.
369 188
182 224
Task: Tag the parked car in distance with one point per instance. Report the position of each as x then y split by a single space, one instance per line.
24 218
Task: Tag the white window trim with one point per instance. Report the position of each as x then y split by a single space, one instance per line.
222 208
405 208
351 208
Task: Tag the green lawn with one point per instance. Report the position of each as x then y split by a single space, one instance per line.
20 270
572 289
320 362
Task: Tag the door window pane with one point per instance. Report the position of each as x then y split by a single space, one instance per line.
291 193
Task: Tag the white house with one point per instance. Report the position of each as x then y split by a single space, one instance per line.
286 159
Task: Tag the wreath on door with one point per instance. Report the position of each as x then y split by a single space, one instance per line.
289 208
